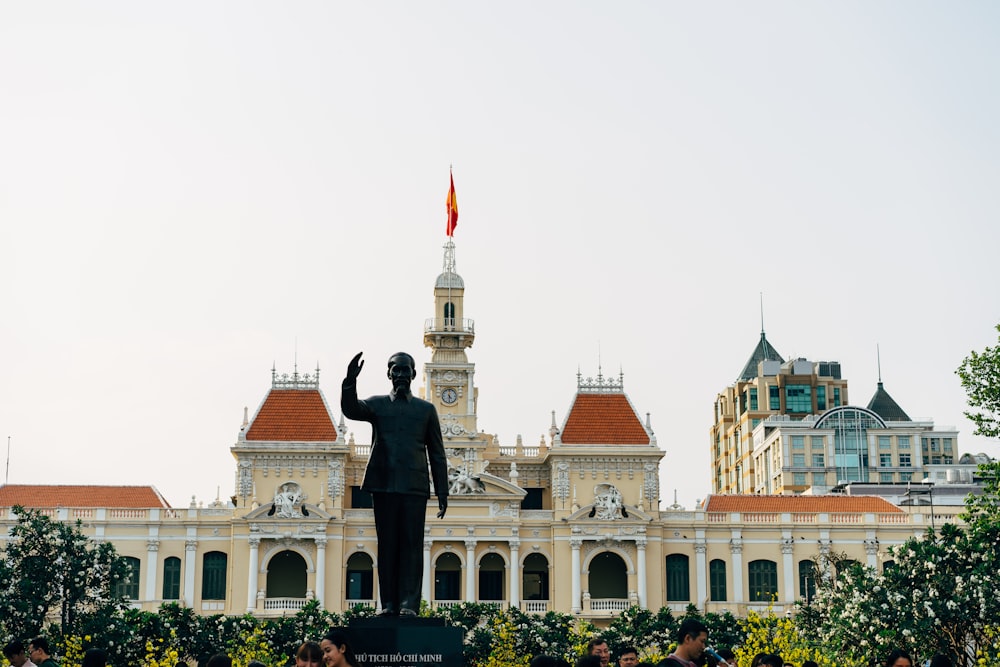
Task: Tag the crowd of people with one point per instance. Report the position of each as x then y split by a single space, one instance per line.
693 651
334 650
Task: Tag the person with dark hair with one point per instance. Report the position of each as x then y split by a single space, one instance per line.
692 636
599 647
628 657
406 437
809 663
899 658
772 660
756 659
939 660
729 657
220 660
309 654
590 660
38 651
547 661
14 652
337 651
256 663
95 657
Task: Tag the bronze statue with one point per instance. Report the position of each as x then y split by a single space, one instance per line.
406 435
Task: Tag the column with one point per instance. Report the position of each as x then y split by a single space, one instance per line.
701 571
736 549
190 556
425 587
254 569
871 549
576 605
320 570
788 565
515 573
470 570
152 565
640 544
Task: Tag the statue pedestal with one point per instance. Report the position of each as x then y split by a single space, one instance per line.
405 642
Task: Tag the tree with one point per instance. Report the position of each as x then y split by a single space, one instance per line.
50 568
940 596
980 374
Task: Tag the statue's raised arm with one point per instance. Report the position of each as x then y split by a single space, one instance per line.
354 368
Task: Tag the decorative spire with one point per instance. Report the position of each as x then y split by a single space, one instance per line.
449 256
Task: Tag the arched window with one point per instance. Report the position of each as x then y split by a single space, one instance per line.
678 578
449 315
717 580
807 579
763 576
447 577
608 576
213 575
172 578
536 577
491 570
888 565
286 575
128 587
360 577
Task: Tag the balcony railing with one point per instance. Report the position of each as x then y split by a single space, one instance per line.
449 325
534 606
284 604
609 604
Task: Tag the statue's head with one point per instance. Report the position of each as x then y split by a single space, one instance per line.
402 370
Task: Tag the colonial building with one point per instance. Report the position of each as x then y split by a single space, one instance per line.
787 427
572 523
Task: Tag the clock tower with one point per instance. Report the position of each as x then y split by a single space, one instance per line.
449 376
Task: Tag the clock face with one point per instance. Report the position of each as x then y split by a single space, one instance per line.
449 396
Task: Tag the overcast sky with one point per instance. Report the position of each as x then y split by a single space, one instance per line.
191 192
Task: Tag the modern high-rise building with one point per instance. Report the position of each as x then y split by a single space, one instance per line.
788 427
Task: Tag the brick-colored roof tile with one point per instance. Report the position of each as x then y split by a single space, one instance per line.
293 415
78 495
603 419
807 504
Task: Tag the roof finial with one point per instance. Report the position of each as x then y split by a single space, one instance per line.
878 359
761 313
600 375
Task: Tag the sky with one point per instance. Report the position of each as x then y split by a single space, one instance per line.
194 192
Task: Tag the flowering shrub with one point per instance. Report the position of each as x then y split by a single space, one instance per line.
940 594
775 634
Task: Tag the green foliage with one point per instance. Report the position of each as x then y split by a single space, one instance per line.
768 633
51 567
643 629
982 512
980 375
940 596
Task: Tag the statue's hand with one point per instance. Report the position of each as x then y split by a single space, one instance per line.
354 368
442 506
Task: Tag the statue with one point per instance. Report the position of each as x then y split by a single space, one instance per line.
406 435
286 498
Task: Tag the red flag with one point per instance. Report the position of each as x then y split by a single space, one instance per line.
451 206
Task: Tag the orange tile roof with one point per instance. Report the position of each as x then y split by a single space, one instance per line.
293 415
79 495
603 419
831 503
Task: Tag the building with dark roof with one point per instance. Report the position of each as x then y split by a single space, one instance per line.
787 427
